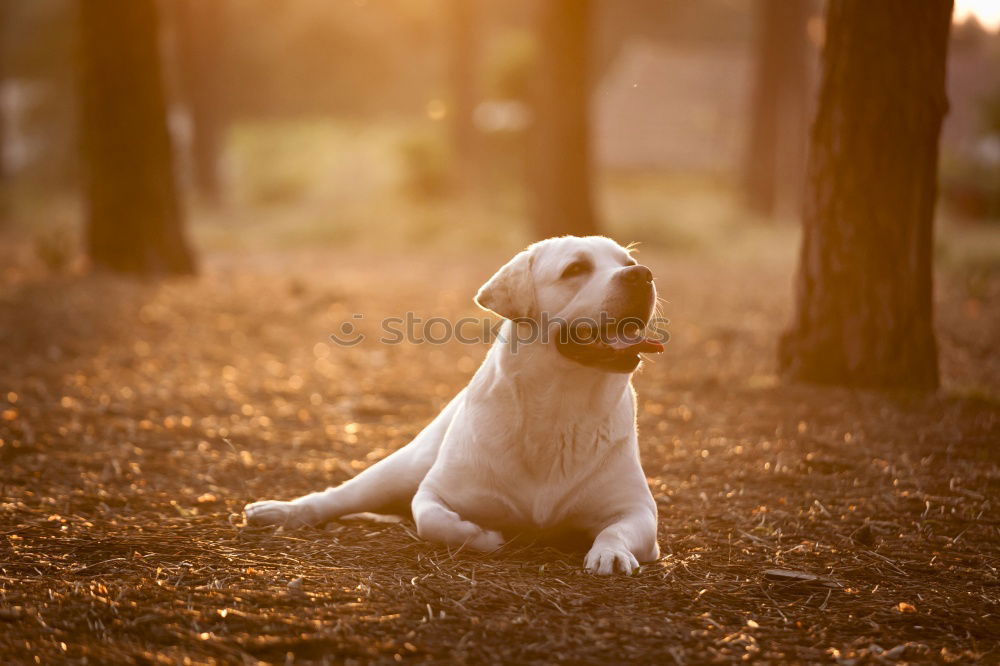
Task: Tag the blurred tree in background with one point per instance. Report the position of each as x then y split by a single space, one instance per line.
775 151
864 308
201 30
134 219
5 69
37 100
463 66
363 120
560 156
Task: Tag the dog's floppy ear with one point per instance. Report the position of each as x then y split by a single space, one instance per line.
511 291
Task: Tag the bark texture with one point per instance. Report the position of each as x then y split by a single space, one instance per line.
134 222
864 289
560 151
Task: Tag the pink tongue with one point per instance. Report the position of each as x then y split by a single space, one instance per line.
640 346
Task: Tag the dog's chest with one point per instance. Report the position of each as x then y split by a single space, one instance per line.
531 466
517 506
543 486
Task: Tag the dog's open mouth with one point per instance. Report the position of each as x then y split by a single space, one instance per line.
615 347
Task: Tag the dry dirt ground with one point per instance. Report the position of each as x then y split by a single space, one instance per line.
137 418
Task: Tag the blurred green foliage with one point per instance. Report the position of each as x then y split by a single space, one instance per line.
509 61
970 178
427 163
56 247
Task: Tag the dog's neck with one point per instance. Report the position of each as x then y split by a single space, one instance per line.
575 414
550 386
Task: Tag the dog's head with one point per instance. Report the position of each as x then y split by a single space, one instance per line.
588 293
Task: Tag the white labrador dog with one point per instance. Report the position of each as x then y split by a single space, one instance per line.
543 439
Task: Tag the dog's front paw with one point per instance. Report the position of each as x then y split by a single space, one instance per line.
486 541
603 561
274 512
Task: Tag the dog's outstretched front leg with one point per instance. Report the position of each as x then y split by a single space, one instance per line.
436 522
630 539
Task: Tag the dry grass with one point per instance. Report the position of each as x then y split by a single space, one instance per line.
139 417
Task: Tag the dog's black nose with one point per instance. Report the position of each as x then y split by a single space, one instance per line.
636 275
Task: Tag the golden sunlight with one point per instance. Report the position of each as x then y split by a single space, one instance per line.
499 331
987 12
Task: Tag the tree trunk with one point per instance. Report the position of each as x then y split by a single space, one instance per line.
560 160
134 222
864 289
5 74
200 31
775 150
463 89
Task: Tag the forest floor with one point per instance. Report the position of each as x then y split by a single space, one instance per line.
136 419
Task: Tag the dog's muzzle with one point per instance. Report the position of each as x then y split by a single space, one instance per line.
614 347
615 344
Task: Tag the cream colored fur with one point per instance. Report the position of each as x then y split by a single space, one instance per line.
534 442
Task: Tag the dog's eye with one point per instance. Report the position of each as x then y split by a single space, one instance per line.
574 269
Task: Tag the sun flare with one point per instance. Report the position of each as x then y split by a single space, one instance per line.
987 12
